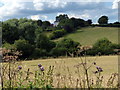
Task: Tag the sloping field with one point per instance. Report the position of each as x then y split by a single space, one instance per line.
89 35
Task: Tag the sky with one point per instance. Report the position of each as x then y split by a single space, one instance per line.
49 9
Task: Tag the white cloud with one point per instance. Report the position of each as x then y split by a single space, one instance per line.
115 4
10 9
39 8
56 3
61 13
38 4
36 17
51 21
43 4
82 16
76 15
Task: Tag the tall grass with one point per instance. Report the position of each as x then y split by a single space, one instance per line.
88 74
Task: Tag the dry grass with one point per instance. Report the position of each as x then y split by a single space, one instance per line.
65 68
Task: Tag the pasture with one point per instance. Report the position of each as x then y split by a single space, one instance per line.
89 35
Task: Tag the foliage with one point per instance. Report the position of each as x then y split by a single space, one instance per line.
89 21
39 22
38 53
45 24
61 17
24 47
103 46
9 32
43 42
57 33
27 31
103 20
58 51
69 45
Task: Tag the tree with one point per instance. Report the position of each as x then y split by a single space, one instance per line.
9 32
39 22
45 24
103 20
67 24
61 17
27 31
103 46
57 33
89 21
43 42
69 45
24 47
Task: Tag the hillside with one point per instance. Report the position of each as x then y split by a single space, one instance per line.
89 35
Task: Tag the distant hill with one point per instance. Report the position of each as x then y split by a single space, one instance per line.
89 35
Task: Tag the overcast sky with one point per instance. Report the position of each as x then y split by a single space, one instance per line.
49 9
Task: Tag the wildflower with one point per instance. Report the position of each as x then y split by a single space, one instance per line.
99 69
42 68
19 67
39 65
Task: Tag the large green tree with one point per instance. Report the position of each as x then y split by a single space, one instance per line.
24 47
103 46
103 20
27 31
9 32
68 46
43 42
45 24
61 17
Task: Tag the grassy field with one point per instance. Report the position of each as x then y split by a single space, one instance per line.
108 63
89 35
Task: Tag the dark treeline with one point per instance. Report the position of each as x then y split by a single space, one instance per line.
28 36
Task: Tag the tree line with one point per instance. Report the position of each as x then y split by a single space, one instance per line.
28 36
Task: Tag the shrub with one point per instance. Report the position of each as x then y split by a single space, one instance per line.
57 34
43 42
66 46
103 46
24 47
37 53
58 51
9 46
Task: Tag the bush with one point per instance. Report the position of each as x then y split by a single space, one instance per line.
9 46
57 34
24 47
103 46
43 42
58 51
68 45
38 53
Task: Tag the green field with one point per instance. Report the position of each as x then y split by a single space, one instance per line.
108 63
89 35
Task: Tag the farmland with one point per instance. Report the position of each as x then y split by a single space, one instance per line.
89 35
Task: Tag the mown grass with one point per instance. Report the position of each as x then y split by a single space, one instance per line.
89 35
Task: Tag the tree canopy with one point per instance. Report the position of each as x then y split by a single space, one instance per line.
103 20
